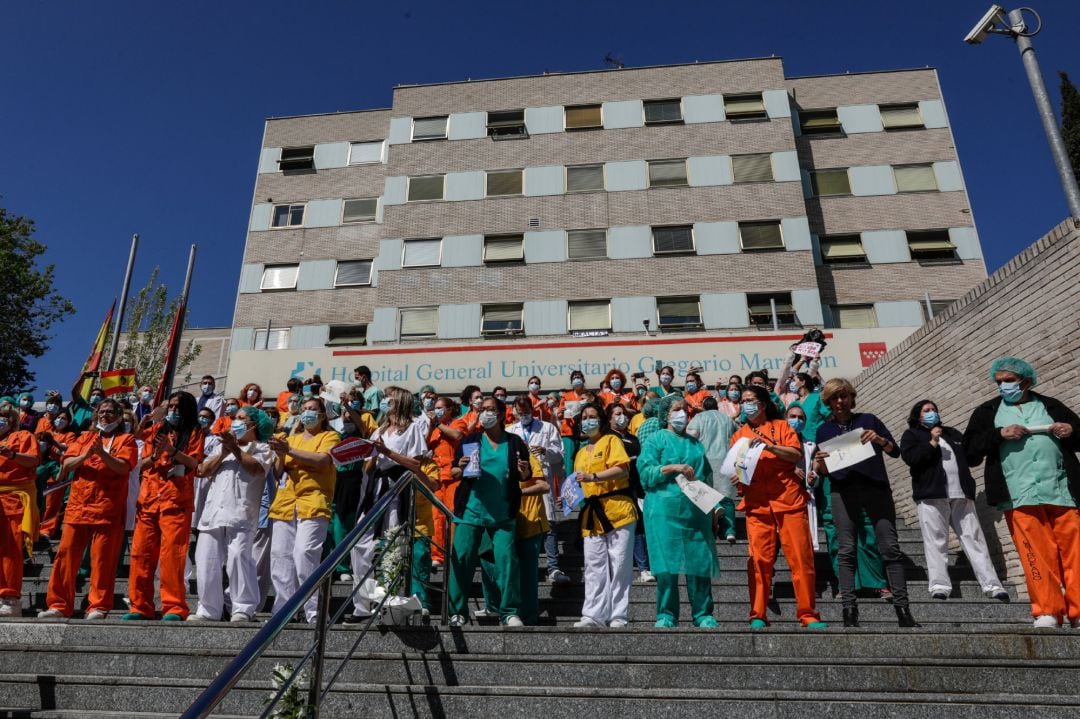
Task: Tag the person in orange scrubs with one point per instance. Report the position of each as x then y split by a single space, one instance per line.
251 395
539 402
101 461
55 442
293 387
171 457
775 503
566 419
618 391
443 440
18 500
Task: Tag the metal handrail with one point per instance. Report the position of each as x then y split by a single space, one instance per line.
238 666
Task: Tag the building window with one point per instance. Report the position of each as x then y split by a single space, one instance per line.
429 128
854 317
667 173
421 253
504 248
820 122
830 183
297 158
279 277
745 107
288 216
503 182
365 153
752 168
353 273
273 339
590 315
586 244
761 311
901 117
915 178
426 187
931 246
583 117
361 210
506 123
347 335
678 313
419 322
673 239
765 235
842 250
501 320
936 306
584 178
663 112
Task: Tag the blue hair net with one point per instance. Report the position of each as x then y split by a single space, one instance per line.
1015 365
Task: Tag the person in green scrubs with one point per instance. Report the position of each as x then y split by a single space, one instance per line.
486 507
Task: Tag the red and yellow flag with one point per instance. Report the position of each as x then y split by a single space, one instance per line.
117 381
97 351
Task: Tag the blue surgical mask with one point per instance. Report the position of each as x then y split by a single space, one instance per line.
309 418
931 418
356 405
440 412
616 384
797 423
231 410
53 409
733 395
665 379
577 382
691 387
384 405
60 423
95 400
526 419
307 390
3 424
204 422
750 409
677 420
793 386
534 387
1010 392
208 389
489 419
173 418
429 402
238 427
590 426
146 396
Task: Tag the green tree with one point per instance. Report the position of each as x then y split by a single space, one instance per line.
29 304
147 324
1070 121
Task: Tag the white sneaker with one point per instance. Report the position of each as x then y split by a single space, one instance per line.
457 621
345 578
586 623
485 613
239 617
1046 621
196 617
618 624
646 577
513 621
11 607
730 539
50 614
95 614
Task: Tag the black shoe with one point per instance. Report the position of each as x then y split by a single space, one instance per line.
355 619
904 618
851 617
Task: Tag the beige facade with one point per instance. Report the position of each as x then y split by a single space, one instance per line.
701 183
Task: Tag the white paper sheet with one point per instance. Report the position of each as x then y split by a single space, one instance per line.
741 460
702 495
846 450
809 448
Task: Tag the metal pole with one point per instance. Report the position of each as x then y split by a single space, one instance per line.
1046 113
175 349
315 685
775 319
123 301
929 307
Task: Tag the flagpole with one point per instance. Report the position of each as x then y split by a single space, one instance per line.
123 301
174 350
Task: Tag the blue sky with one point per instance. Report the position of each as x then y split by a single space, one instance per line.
122 117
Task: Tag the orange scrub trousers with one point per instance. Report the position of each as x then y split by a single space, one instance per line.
18 501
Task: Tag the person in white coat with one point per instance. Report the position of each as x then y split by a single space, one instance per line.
236 475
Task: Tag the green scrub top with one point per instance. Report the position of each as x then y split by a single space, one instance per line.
81 413
488 503
1033 465
816 414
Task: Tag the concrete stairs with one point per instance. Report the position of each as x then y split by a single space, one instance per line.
973 657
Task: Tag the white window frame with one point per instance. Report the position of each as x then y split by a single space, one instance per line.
655 123
826 240
331 341
408 187
700 324
768 325
882 109
520 306
663 253
433 138
405 251
668 161
589 127
742 95
280 266
382 152
505 125
521 178
337 269
603 177
505 237
401 321
837 129
813 182
862 306
772 169
296 169
587 259
570 315
264 345
374 215
779 226
290 205
921 165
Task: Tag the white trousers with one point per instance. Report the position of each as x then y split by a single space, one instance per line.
232 548
295 551
935 518
609 572
261 551
362 555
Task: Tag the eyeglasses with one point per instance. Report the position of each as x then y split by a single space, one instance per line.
107 412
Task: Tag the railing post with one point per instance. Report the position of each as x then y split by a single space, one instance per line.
315 684
406 582
444 619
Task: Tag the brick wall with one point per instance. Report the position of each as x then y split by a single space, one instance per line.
897 281
864 88
1026 309
358 126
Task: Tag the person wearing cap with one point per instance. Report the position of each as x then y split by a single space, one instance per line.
1029 442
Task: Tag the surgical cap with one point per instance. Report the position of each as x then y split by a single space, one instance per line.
427 388
264 426
1015 365
651 407
665 407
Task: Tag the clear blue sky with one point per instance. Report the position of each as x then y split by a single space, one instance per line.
121 117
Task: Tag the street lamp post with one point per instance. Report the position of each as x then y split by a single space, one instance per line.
997 21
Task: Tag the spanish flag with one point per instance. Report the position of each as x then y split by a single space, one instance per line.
93 362
117 381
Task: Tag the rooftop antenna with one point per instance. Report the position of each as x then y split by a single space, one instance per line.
613 60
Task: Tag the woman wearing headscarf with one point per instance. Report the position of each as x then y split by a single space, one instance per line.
714 429
236 474
944 494
775 505
680 535
1029 442
301 508
173 451
101 461
18 500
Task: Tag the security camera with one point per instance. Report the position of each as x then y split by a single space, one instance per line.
646 323
985 26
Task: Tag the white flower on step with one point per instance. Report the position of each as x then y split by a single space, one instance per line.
292 704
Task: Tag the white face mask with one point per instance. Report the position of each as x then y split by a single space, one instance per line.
526 418
489 419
